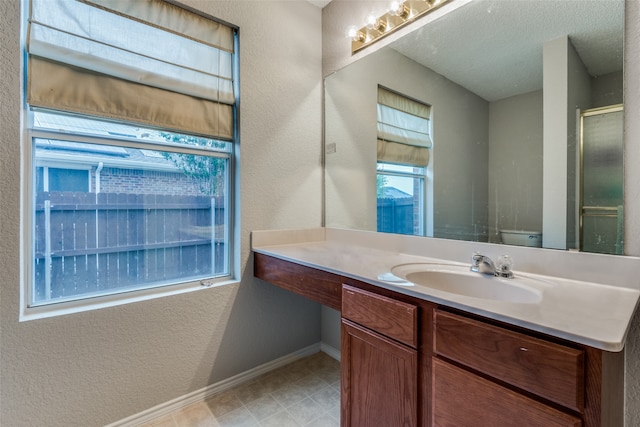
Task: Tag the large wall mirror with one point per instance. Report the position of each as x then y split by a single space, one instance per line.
523 128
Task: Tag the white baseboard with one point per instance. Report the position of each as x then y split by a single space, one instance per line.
331 351
204 393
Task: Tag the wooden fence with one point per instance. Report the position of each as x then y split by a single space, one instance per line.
91 243
396 215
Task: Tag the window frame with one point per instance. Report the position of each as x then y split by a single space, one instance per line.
422 176
28 191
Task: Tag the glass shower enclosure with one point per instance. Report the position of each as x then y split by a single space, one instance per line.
601 175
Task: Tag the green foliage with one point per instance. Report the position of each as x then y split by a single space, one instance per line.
206 172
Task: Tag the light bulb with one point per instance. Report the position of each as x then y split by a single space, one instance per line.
355 34
394 7
371 22
400 9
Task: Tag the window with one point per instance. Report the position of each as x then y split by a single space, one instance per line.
404 140
400 193
131 165
59 179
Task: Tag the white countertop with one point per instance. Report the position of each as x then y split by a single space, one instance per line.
590 299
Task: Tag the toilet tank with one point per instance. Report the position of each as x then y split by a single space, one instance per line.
521 238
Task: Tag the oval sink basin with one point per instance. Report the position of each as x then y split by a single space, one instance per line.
460 280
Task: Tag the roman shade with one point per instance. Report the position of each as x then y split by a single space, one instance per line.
145 61
403 129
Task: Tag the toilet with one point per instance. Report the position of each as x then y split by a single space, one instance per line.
521 238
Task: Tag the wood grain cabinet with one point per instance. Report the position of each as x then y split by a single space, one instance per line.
463 399
409 362
379 361
311 283
505 368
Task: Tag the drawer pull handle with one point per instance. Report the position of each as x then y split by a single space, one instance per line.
524 349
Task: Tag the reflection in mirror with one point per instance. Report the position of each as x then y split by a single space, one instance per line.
601 186
506 84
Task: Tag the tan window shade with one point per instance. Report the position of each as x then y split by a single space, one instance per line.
101 95
172 18
403 129
138 68
392 152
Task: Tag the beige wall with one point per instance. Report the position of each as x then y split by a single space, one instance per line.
93 368
579 97
632 195
607 90
515 164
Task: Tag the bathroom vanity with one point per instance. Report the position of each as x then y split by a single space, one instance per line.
417 356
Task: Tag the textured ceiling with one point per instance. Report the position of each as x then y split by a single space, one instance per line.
494 47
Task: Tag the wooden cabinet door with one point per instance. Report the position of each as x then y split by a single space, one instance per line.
379 380
463 399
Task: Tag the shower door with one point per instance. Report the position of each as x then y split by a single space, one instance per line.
601 213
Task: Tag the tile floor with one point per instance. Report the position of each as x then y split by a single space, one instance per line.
303 393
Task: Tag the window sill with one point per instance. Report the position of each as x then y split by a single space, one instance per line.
106 301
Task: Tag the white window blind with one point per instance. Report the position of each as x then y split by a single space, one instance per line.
403 129
145 61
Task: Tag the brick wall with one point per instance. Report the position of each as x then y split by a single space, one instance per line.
136 181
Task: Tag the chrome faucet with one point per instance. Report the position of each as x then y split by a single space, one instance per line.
484 265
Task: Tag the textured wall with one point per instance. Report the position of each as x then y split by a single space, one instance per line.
632 194
97 367
515 187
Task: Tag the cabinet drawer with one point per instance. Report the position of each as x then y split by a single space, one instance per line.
550 370
463 399
394 319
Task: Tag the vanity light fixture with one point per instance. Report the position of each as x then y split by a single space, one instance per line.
398 14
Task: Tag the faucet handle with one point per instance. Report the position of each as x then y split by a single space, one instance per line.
475 262
504 265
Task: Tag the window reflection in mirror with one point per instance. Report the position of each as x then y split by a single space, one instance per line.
481 71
